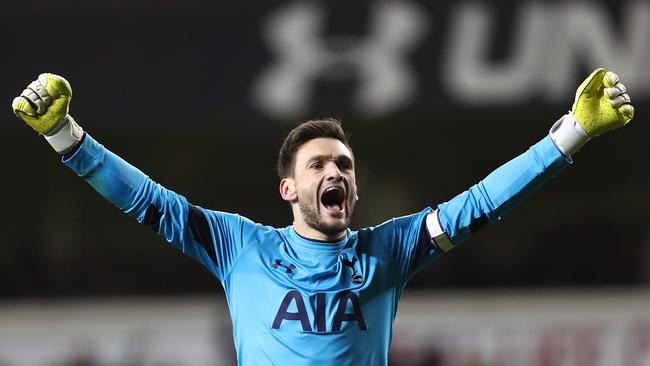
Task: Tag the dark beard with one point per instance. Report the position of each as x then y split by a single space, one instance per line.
313 220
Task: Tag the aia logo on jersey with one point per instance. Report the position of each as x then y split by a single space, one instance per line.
345 304
357 278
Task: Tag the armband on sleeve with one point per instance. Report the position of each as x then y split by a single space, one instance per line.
438 236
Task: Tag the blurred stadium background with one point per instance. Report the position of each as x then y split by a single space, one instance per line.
199 95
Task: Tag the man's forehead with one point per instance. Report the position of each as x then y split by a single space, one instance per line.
323 147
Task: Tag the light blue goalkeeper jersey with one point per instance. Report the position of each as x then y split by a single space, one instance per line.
295 301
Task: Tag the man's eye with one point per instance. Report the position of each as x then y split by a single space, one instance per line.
345 166
316 166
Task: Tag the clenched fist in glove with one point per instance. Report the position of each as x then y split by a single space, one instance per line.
43 105
601 105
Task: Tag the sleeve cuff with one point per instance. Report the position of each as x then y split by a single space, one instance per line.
550 156
88 156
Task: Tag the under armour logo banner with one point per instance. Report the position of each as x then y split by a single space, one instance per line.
303 54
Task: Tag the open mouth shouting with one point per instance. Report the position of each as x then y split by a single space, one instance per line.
333 200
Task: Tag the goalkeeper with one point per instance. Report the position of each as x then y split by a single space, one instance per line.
316 292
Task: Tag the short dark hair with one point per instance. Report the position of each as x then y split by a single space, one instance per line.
304 132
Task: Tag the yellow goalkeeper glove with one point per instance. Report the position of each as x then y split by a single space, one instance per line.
44 105
602 103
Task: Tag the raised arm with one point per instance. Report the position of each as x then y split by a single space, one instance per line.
211 237
601 105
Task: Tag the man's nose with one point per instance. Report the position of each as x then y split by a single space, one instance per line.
332 172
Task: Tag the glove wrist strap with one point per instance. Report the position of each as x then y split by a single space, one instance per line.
568 135
67 137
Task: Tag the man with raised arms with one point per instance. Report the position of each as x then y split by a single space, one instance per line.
316 292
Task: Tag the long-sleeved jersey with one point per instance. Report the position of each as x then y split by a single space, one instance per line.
297 301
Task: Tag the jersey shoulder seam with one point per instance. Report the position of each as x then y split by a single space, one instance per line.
232 267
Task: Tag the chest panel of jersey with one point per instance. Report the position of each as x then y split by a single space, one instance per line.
294 296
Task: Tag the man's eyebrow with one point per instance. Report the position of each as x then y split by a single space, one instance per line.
345 159
329 157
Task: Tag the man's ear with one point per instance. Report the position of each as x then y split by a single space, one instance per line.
288 189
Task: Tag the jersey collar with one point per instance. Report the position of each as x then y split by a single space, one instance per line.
319 245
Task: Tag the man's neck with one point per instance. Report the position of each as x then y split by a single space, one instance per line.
310 233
